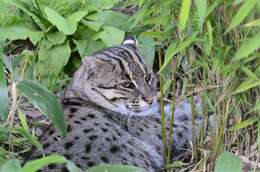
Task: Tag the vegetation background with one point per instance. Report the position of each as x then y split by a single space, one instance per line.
205 47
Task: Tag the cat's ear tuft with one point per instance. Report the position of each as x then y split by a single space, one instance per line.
130 40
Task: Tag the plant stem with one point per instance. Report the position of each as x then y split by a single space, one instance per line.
163 131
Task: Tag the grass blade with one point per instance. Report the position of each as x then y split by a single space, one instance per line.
201 9
246 85
184 14
243 11
244 124
29 137
3 89
248 47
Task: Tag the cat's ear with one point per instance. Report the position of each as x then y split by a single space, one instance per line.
131 41
91 63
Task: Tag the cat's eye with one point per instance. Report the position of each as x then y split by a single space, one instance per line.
128 85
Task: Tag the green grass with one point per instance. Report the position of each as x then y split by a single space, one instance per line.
225 71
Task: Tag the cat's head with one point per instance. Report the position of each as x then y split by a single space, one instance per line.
118 79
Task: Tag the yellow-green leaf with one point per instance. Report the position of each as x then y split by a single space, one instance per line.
243 11
244 124
184 14
253 23
34 165
248 47
246 85
201 10
249 73
3 89
66 25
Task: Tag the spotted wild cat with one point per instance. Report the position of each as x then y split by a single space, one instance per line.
113 114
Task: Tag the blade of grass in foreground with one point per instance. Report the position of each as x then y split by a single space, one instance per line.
184 14
3 88
45 101
243 11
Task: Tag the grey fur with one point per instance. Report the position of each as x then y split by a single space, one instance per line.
100 133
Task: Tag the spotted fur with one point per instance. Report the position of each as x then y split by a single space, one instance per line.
112 115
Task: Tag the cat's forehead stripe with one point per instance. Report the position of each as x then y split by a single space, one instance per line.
119 60
135 56
129 60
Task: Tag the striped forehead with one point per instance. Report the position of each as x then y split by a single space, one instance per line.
129 59
136 64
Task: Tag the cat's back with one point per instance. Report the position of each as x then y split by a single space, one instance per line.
96 136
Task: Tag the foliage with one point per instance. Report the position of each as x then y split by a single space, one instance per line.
206 47
14 165
55 28
214 46
228 162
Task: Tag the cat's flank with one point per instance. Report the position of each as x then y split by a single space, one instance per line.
113 114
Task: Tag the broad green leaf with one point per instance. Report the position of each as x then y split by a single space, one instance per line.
72 167
110 36
56 37
4 132
12 20
15 33
148 47
34 165
2 161
53 59
115 168
3 88
228 162
246 85
201 10
88 47
86 44
184 14
244 123
26 8
66 25
248 47
12 165
99 5
29 137
249 73
243 11
111 18
7 9
93 25
48 104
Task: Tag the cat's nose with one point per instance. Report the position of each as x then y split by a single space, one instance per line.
149 100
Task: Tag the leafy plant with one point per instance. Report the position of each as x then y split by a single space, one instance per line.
227 162
59 28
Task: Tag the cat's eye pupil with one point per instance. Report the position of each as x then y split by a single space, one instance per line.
128 85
